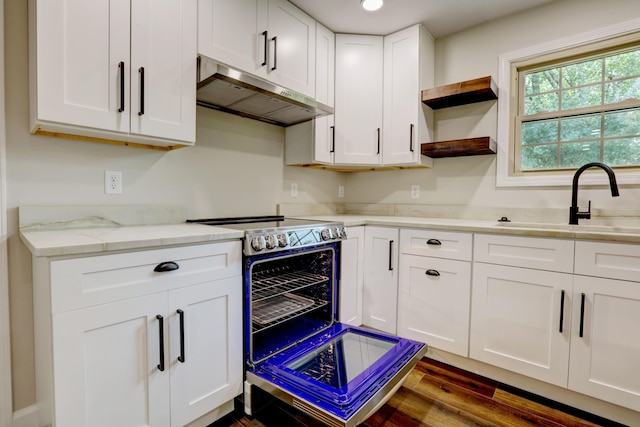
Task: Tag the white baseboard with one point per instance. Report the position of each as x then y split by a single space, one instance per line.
26 417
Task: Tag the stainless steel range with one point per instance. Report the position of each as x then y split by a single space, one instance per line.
295 348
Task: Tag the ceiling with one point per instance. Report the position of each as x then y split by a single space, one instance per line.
440 17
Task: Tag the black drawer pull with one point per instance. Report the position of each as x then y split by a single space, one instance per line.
141 73
582 302
266 42
275 53
390 255
561 310
435 242
431 272
121 69
181 358
166 266
161 334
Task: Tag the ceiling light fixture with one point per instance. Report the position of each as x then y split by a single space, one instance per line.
371 5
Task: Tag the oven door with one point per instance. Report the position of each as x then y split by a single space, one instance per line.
340 376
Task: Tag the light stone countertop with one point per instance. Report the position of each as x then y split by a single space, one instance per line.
628 234
103 236
75 241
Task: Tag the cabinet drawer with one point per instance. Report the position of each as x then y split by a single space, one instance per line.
612 260
440 244
529 252
433 302
88 281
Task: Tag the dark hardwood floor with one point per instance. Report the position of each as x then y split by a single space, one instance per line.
437 395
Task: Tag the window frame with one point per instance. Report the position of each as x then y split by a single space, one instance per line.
508 63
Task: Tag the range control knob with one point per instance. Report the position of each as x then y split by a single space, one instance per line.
325 234
336 233
343 233
270 241
257 243
282 240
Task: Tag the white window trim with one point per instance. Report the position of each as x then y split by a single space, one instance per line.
505 61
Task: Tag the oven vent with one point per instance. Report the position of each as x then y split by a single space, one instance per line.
316 413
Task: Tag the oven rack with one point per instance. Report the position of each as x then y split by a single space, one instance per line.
265 285
274 311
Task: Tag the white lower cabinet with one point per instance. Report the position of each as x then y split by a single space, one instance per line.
351 277
380 294
521 305
167 354
434 291
605 339
516 320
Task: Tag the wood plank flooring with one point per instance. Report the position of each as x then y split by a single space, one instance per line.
436 395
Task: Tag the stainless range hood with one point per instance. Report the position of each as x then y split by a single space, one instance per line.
237 92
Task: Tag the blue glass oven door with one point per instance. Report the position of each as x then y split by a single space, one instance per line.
341 375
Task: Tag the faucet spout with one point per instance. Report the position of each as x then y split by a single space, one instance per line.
574 211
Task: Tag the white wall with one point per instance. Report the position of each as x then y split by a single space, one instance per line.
471 54
236 168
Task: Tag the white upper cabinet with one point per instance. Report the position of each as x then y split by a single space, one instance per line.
312 141
271 39
358 102
231 32
408 68
119 70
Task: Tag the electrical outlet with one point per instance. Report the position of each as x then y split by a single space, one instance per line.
112 182
294 189
341 191
415 191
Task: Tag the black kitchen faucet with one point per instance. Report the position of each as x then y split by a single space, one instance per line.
574 210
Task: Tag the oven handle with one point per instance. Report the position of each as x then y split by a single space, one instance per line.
390 255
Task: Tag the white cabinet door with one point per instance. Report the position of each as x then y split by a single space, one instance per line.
358 108
325 84
233 32
292 48
519 321
79 47
380 295
434 302
205 347
351 276
408 69
163 69
605 340
106 365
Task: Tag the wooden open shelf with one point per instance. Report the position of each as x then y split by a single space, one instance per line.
467 92
459 147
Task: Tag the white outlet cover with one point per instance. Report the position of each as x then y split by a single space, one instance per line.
415 191
113 182
294 189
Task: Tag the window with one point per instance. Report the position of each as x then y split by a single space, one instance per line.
569 102
578 111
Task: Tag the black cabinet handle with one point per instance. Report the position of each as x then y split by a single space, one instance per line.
266 42
435 242
333 139
582 301
275 53
378 141
166 266
141 72
121 68
411 137
431 272
181 314
161 333
390 255
561 310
